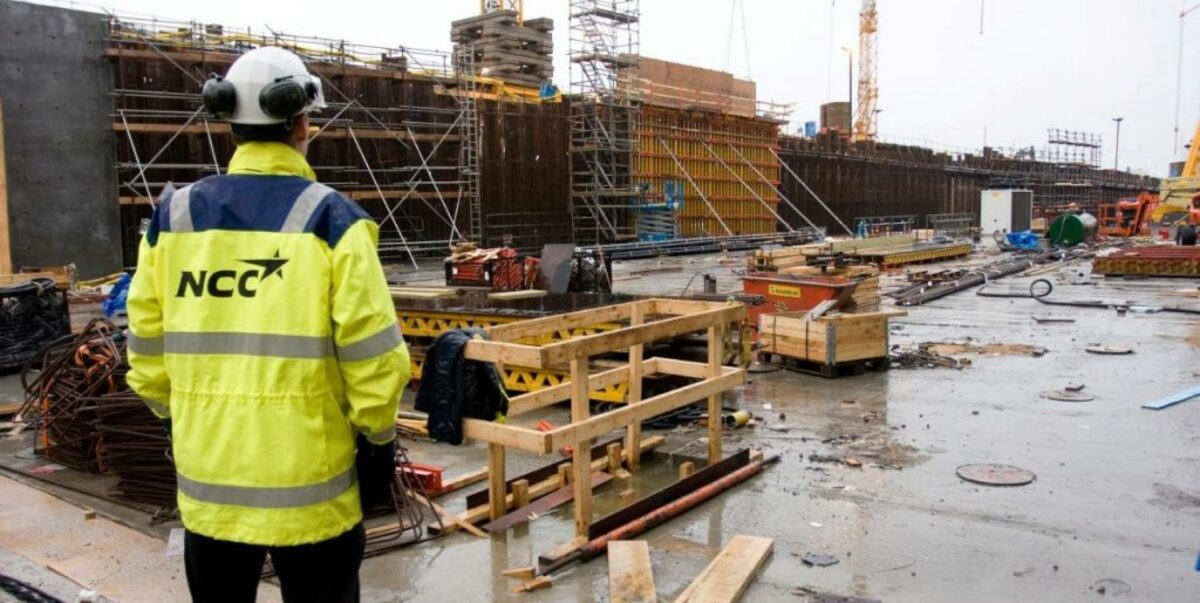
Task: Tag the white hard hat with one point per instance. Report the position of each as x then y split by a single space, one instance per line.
267 85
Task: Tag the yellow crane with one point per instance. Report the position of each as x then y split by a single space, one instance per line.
865 120
1179 197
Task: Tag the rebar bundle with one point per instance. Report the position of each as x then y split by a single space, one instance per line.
88 419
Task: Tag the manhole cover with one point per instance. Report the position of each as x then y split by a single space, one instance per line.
1108 350
992 474
1063 395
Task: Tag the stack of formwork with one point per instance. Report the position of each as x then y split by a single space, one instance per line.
506 48
728 169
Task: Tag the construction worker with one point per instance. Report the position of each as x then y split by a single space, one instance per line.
263 334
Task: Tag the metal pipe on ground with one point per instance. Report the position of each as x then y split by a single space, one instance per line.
921 293
598 545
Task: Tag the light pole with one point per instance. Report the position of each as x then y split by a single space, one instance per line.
1179 73
1117 151
850 83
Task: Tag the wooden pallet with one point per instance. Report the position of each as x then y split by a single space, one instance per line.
830 371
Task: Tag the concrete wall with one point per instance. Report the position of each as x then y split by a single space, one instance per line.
55 85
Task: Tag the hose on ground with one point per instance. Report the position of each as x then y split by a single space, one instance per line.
1040 296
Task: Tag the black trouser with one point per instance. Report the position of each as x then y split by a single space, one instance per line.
228 572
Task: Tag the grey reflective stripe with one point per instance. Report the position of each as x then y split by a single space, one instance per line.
382 437
267 497
145 346
181 210
302 210
158 408
249 344
372 346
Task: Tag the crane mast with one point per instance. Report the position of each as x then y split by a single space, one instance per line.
868 87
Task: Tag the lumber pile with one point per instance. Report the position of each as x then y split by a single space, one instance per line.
866 296
779 258
513 52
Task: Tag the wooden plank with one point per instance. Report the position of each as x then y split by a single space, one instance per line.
521 573
686 468
520 492
633 433
614 457
630 576
716 347
5 237
726 578
681 368
599 451
496 494
422 292
559 322
511 436
543 505
557 393
580 459
653 331
599 425
516 354
682 307
462 481
524 294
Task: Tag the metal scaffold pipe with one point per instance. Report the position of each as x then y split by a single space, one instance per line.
782 197
747 186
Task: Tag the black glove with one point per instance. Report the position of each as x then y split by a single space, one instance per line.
376 466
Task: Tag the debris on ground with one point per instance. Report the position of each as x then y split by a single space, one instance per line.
812 595
1108 350
986 349
818 559
1068 395
994 474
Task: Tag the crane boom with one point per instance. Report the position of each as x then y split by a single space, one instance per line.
868 88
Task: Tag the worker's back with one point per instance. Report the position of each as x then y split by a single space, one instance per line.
267 310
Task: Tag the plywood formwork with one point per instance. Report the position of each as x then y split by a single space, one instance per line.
643 322
725 163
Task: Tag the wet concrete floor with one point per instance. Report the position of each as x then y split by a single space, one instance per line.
1114 511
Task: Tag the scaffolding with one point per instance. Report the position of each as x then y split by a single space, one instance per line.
407 155
604 49
1071 147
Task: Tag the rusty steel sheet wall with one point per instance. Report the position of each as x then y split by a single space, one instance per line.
858 180
524 168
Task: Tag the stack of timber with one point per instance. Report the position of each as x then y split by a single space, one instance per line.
830 345
866 297
506 48
779 258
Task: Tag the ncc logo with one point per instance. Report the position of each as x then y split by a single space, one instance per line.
227 283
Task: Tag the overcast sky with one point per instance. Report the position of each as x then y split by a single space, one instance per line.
1072 64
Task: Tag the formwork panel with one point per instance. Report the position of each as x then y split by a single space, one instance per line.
700 142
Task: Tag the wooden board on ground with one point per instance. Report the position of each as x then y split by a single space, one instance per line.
10 408
524 294
422 292
726 578
543 505
630 576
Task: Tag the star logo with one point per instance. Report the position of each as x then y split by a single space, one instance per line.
272 265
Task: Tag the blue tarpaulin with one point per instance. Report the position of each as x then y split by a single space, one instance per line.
1022 240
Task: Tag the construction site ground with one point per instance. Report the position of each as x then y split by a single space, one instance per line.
867 474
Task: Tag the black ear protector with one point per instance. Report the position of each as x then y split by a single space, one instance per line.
286 97
220 97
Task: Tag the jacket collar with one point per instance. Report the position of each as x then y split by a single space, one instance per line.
269 158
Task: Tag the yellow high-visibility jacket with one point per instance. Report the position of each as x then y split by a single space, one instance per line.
261 325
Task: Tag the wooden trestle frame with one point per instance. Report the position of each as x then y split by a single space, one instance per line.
648 321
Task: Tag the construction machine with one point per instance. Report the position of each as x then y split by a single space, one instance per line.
1128 217
1178 198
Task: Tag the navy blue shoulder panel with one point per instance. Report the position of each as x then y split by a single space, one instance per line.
334 217
158 222
244 202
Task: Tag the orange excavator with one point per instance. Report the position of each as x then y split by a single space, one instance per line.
1128 217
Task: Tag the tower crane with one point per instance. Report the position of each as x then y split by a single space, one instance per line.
868 88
